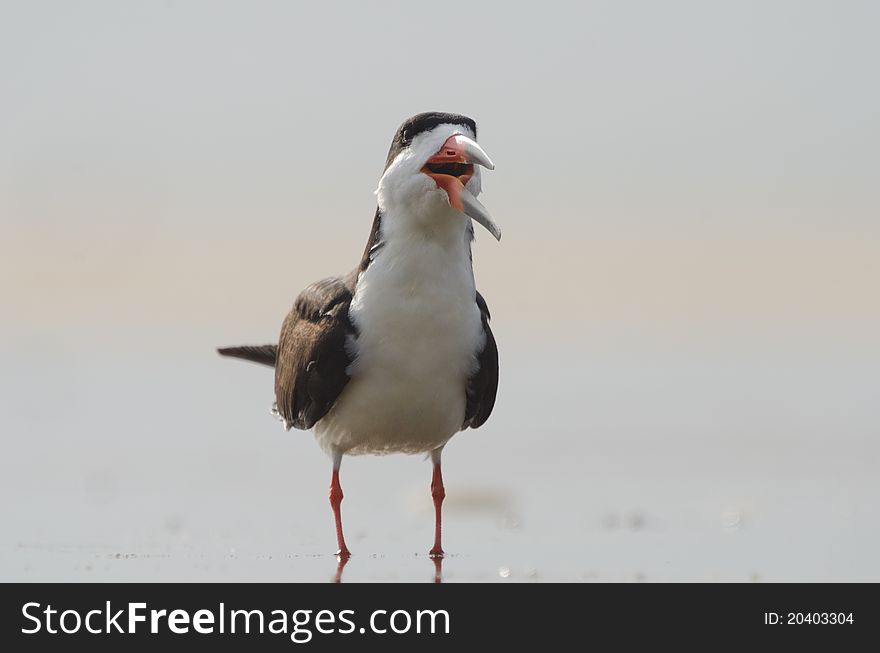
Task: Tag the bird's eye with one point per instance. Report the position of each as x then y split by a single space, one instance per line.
405 136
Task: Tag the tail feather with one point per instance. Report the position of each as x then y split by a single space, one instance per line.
262 354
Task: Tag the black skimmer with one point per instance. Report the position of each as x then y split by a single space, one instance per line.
397 355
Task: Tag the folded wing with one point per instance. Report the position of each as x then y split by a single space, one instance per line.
483 385
311 366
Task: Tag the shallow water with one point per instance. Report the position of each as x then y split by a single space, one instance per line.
602 466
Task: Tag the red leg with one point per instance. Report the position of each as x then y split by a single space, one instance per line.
438 492
336 501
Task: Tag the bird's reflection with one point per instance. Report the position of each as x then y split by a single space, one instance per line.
342 560
438 569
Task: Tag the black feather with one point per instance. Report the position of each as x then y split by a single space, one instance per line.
483 385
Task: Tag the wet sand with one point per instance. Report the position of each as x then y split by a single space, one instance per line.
652 467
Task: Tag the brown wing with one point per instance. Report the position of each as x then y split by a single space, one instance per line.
311 364
483 385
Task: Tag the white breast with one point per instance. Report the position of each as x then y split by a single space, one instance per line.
419 333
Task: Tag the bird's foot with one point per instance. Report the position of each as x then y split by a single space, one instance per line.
436 552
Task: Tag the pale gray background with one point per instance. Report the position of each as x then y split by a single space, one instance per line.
685 298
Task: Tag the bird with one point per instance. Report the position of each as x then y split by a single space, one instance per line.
397 356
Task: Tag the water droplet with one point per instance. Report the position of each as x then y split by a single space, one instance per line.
511 521
731 519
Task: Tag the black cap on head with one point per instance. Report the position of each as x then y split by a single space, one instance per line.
423 122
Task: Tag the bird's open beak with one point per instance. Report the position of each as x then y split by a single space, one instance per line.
452 167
